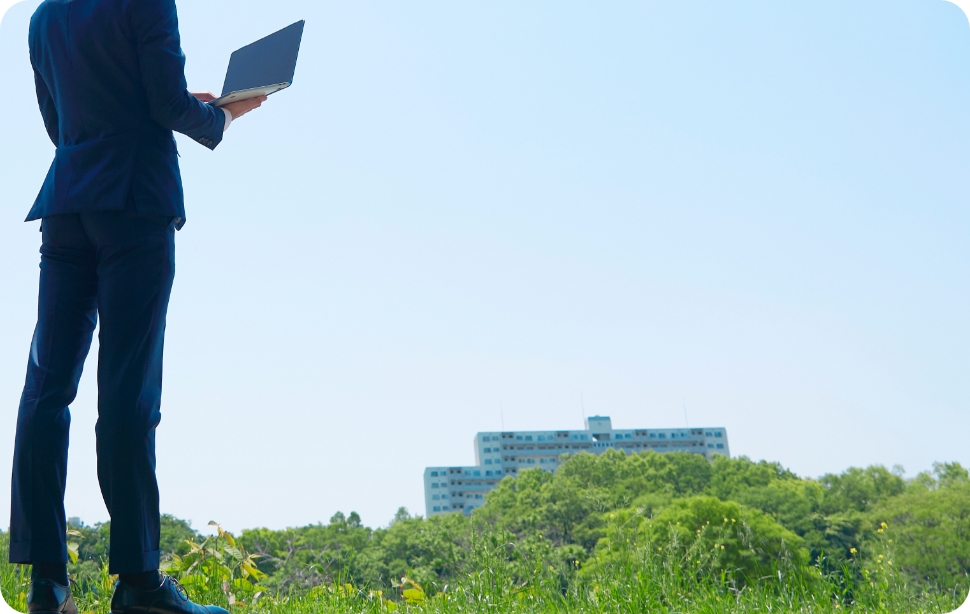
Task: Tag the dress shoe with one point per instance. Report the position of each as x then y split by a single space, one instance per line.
169 598
49 597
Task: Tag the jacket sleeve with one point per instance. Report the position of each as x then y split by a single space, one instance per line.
47 109
162 64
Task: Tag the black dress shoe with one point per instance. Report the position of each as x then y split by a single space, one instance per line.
49 597
169 598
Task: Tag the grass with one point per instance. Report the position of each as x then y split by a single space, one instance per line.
633 581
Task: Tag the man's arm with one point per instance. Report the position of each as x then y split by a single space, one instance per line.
47 109
155 25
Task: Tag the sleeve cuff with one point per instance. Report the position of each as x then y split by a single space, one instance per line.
228 119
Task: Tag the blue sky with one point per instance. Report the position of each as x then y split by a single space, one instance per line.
756 209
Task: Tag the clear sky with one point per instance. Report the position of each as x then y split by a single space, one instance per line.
755 209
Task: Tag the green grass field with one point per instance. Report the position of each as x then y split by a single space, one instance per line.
638 580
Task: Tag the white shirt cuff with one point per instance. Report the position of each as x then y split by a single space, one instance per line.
228 119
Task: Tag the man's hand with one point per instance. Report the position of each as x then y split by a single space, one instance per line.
238 109
204 96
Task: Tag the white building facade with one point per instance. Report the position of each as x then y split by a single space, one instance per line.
502 453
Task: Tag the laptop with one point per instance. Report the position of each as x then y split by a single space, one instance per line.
264 67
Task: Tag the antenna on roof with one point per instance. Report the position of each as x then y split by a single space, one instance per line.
685 414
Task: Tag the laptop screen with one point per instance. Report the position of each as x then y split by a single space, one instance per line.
268 61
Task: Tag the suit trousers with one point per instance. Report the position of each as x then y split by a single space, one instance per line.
119 266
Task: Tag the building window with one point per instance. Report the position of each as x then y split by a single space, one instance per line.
478 473
446 508
720 446
435 497
488 461
437 508
718 434
488 472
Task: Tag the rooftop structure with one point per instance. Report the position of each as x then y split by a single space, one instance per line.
502 453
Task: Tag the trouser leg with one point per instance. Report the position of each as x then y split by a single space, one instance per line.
136 268
66 317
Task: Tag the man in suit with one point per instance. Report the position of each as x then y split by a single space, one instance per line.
111 87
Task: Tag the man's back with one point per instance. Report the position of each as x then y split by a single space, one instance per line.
100 86
111 88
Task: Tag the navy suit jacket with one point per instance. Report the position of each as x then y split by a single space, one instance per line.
110 79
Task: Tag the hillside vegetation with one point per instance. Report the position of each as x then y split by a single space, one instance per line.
659 532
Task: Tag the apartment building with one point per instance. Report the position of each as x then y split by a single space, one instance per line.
502 453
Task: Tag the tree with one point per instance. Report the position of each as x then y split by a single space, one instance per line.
859 489
751 543
927 532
